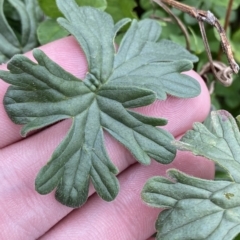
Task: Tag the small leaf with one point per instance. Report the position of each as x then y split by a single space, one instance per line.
146 5
100 4
221 144
95 39
27 15
224 3
9 44
50 7
49 31
121 9
197 208
43 93
197 45
139 55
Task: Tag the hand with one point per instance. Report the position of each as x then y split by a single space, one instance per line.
25 214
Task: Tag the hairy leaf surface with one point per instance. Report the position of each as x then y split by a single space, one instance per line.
43 93
197 208
220 143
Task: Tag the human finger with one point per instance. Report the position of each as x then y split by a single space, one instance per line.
117 153
24 159
127 217
65 52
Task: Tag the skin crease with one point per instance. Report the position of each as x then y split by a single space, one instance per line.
25 214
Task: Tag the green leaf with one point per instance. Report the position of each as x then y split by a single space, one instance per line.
221 144
146 5
27 13
134 63
9 43
100 4
95 39
49 31
196 208
43 93
230 95
211 209
197 45
225 3
120 9
50 7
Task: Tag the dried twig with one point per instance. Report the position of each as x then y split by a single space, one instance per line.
179 22
208 17
222 72
226 23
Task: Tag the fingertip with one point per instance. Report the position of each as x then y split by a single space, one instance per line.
204 96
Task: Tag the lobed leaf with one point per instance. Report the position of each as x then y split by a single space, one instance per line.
48 94
220 143
43 93
79 158
144 62
197 208
96 39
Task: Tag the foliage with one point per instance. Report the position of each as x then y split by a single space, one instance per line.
110 89
118 9
121 9
50 30
50 8
172 31
114 83
211 209
18 40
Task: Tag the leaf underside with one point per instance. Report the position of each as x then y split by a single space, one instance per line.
197 208
140 72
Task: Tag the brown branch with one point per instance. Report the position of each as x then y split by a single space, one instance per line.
179 22
226 24
208 17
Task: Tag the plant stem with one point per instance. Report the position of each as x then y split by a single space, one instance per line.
179 22
226 24
208 17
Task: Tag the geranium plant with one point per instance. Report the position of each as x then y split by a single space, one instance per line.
141 69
